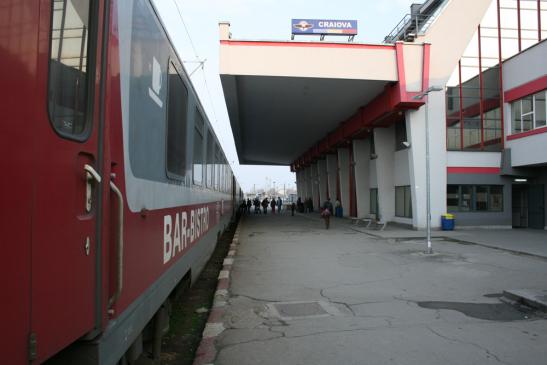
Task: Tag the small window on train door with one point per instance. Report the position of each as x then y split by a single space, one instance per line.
199 126
176 125
210 160
70 67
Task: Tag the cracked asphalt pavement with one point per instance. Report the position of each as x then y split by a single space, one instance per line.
389 303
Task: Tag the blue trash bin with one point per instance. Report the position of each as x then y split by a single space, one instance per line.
447 222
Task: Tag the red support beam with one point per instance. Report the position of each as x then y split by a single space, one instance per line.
500 63
384 110
518 26
539 20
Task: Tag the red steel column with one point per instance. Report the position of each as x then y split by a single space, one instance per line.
539 20
518 27
481 96
500 61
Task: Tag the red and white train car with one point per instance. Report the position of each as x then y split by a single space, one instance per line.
114 186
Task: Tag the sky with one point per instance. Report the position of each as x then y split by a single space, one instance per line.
193 28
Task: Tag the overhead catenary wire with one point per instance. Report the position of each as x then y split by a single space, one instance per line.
186 29
198 60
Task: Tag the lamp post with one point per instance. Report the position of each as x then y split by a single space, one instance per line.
427 170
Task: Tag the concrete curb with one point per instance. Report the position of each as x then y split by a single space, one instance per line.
532 298
207 352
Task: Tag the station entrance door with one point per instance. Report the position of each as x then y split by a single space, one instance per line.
529 206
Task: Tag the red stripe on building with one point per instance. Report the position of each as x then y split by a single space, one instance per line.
474 170
529 88
307 45
527 133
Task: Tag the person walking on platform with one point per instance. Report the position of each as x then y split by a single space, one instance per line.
337 208
300 205
265 203
257 206
273 204
279 204
326 212
249 205
293 207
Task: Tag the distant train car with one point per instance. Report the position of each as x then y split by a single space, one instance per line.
114 188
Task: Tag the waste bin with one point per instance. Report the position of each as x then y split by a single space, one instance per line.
447 222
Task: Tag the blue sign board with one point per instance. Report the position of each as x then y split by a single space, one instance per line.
324 27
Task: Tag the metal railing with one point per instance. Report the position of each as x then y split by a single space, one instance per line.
409 27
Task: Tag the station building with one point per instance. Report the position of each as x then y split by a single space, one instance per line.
350 119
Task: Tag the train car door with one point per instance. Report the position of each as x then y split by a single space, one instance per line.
67 179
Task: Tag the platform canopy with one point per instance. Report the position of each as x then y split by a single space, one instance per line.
283 98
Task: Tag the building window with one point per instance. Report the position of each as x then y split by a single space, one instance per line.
474 198
69 69
210 160
529 113
374 201
176 125
199 126
400 135
403 202
452 197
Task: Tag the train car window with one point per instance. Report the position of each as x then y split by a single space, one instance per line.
217 167
210 160
68 68
199 125
226 179
176 124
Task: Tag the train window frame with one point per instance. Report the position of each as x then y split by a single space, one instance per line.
210 157
172 62
91 65
218 166
198 129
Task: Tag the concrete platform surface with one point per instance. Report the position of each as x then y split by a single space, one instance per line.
526 241
300 294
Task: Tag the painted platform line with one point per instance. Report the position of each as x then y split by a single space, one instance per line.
206 352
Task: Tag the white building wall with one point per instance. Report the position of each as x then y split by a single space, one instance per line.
322 172
401 168
438 160
384 143
530 150
373 177
308 191
299 183
315 185
525 67
361 156
473 159
332 175
343 170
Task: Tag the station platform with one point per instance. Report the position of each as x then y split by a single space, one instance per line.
300 294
